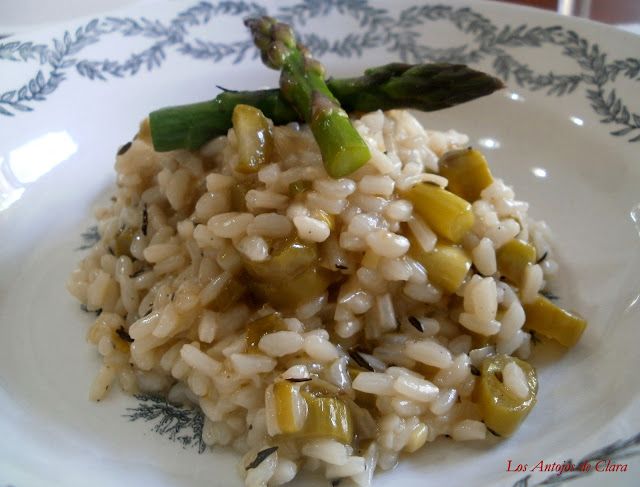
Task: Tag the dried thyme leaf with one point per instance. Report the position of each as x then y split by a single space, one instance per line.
124 335
137 273
145 220
544 256
359 359
415 322
261 457
124 148
475 370
84 308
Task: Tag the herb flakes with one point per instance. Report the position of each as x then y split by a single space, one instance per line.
415 322
124 335
544 256
359 359
84 308
261 457
475 370
124 148
137 273
145 220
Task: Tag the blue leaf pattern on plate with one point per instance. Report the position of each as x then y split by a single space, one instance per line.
378 28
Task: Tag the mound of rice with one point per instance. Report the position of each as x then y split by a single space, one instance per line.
169 275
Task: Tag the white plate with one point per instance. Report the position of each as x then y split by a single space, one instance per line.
565 134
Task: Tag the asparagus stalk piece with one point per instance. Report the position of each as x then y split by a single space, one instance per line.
191 126
425 87
302 84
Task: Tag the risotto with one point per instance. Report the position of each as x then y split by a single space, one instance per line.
323 324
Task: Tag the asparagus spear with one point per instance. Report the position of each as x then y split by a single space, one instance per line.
302 84
425 87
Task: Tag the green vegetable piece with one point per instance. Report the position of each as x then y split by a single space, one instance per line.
513 258
124 238
289 258
446 265
238 196
255 138
302 84
232 291
192 126
448 215
327 417
546 318
256 329
289 294
298 187
343 150
286 395
291 275
424 87
467 172
501 411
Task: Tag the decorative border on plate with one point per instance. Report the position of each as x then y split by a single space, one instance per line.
90 237
400 34
178 423
185 425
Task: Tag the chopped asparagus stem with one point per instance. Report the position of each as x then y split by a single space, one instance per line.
501 411
449 215
255 138
547 319
467 172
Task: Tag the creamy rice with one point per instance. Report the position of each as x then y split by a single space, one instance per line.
381 336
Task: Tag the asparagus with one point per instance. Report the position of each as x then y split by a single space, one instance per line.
191 126
302 85
426 87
